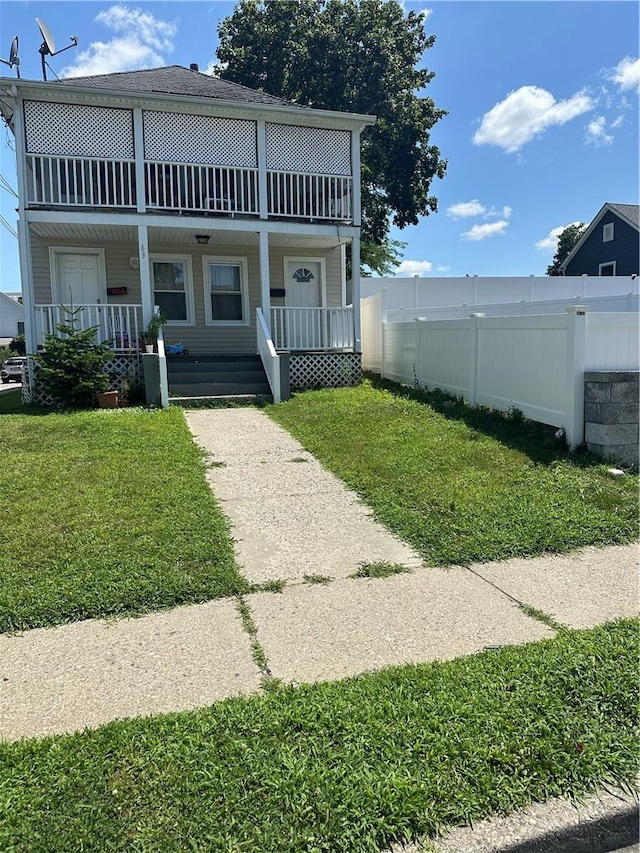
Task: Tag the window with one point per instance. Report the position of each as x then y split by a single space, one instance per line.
303 274
607 232
171 281
607 269
226 298
20 327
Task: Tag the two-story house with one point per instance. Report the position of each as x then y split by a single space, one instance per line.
229 209
610 245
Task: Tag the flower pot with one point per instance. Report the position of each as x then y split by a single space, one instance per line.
108 400
148 347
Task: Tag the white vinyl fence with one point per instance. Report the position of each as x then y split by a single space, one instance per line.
532 363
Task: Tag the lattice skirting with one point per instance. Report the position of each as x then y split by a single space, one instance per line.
324 369
123 369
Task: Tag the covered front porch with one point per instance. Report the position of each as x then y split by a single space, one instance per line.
224 291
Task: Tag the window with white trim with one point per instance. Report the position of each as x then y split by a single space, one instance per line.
171 280
607 269
226 291
607 232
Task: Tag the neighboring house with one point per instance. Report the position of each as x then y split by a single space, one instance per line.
228 208
11 319
610 245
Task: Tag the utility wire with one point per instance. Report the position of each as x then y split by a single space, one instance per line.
5 185
8 226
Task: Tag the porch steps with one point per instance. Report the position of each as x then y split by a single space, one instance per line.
216 376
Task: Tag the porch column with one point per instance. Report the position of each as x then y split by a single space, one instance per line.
263 203
355 295
138 147
265 281
355 176
24 241
146 287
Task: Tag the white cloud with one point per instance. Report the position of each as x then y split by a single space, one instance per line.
466 208
481 232
414 267
627 74
617 122
596 132
550 242
444 269
507 211
526 113
141 42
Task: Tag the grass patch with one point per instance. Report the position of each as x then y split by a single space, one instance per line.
321 580
351 765
273 585
461 485
379 570
103 513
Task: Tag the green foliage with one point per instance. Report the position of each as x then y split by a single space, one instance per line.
18 345
460 484
382 569
72 367
353 765
566 241
106 512
357 56
157 321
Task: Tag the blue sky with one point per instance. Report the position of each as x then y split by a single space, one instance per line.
542 99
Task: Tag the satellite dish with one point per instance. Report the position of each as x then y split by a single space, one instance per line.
48 46
14 59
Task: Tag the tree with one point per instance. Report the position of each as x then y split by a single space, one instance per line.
566 241
354 56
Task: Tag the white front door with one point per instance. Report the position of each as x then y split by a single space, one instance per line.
78 280
304 291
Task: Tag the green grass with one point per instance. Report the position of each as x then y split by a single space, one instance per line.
383 569
344 766
461 484
106 512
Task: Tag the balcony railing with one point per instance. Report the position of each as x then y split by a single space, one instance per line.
187 188
81 182
119 326
320 329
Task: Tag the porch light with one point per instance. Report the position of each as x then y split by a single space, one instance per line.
203 239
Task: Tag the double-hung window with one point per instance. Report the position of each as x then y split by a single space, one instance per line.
226 294
172 291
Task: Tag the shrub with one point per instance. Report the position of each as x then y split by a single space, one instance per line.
18 345
72 367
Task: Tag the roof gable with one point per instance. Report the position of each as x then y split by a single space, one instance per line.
629 213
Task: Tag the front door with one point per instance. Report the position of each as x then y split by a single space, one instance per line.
303 299
78 279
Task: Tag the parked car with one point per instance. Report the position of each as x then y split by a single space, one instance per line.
11 370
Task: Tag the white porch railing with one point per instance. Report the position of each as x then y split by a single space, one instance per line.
119 326
269 356
212 189
81 182
321 329
306 196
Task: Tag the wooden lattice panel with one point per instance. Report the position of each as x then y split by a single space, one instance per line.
178 138
324 370
312 150
122 369
73 130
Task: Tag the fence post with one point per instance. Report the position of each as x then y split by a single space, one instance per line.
473 391
383 322
576 328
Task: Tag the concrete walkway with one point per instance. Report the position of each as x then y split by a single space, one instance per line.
293 520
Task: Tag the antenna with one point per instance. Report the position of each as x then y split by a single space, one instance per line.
14 59
48 46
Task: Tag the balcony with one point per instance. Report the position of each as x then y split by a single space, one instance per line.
187 188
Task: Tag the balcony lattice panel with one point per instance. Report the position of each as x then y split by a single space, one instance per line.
122 369
308 149
178 138
324 370
73 130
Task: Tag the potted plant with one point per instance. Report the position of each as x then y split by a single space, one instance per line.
150 334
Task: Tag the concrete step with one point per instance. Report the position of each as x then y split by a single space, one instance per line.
217 389
249 375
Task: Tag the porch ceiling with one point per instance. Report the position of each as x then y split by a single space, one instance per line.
183 236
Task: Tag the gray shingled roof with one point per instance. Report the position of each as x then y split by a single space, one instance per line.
631 211
176 80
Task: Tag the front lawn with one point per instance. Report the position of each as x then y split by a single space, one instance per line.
105 512
460 484
344 766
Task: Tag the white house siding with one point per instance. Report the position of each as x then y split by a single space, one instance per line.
198 338
11 313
